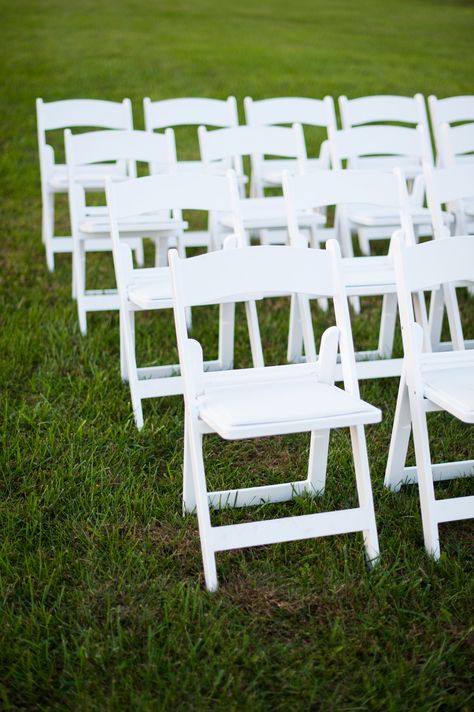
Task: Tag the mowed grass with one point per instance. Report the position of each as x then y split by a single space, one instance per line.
103 605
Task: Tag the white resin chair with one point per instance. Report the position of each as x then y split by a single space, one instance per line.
383 109
287 110
90 225
453 187
451 110
262 217
71 113
395 146
192 111
363 276
150 288
276 400
430 382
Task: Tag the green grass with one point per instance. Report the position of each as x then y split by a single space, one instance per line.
101 589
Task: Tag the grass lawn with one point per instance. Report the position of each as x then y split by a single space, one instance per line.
102 600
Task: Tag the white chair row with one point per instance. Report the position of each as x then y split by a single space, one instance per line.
363 276
286 399
262 216
218 113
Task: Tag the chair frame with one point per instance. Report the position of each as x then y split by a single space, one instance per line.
287 110
90 228
70 113
420 268
175 192
247 274
364 276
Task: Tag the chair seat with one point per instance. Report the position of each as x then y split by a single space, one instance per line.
272 169
90 177
453 389
269 213
98 223
368 271
282 405
151 288
370 216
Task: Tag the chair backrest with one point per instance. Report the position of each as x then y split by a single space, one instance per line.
129 146
183 191
192 111
448 186
421 268
75 113
250 273
451 110
382 109
171 193
290 110
234 143
361 142
340 188
456 144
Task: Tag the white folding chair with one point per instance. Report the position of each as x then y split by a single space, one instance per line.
383 109
430 382
453 187
262 217
363 276
90 225
383 148
287 110
71 113
451 110
276 400
192 111
150 288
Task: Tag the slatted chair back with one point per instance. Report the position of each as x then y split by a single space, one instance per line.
382 109
232 144
170 193
372 145
192 111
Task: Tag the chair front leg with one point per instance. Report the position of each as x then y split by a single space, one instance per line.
424 474
202 505
364 490
397 454
387 325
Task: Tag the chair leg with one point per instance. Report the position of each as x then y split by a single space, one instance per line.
364 243
226 335
140 255
425 476
202 507
318 460
48 229
125 314
364 490
295 335
254 335
189 497
397 454
79 266
387 325
128 341
436 318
